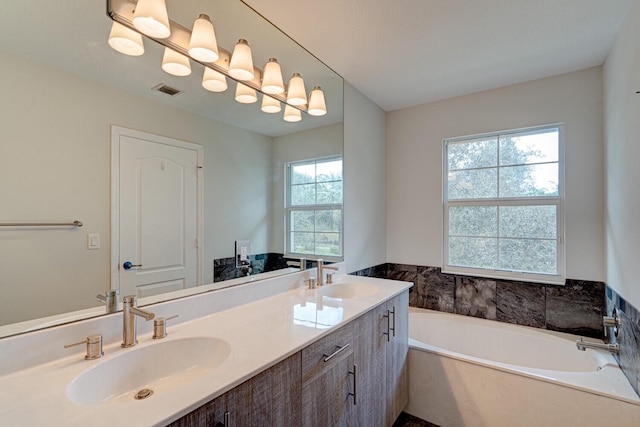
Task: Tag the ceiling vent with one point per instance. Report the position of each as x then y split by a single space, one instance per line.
167 89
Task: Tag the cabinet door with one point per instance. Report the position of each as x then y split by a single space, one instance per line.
271 398
397 374
230 409
328 380
370 355
327 398
277 394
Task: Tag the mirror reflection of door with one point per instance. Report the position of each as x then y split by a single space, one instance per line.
156 199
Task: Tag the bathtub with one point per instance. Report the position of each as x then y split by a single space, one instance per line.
465 371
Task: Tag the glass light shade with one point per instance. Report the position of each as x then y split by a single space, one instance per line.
175 63
150 17
317 105
214 81
272 78
297 94
203 46
245 94
125 40
270 105
241 64
292 114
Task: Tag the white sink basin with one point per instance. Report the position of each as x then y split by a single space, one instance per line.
160 367
348 290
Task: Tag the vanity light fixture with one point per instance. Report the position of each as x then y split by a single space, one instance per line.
125 40
150 17
270 105
272 79
241 64
175 63
292 114
214 81
202 45
182 45
245 94
297 94
317 104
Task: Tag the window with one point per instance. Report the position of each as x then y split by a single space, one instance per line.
503 205
314 208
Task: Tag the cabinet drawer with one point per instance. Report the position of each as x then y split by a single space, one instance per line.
313 356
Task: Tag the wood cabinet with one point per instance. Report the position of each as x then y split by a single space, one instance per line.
271 398
328 380
381 357
397 381
354 376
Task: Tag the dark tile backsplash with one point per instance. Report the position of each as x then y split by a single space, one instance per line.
225 268
628 337
577 307
521 303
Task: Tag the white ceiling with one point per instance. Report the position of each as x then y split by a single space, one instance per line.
402 53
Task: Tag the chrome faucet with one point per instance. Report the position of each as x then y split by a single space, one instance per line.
302 264
321 268
583 345
110 300
129 313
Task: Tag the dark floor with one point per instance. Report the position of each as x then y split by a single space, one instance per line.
406 420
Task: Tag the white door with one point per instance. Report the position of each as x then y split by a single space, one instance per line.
156 191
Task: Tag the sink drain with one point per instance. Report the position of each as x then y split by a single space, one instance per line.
144 393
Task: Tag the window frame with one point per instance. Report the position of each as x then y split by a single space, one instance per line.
288 208
558 201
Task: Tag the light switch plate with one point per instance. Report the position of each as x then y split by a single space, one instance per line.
93 241
243 250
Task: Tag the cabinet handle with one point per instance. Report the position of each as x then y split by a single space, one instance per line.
388 333
394 321
225 420
355 383
335 353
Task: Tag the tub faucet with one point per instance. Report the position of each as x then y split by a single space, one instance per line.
321 268
583 345
614 321
129 313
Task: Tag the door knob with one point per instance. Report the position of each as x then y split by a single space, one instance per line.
128 265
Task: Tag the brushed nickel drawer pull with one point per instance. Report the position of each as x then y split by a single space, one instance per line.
355 383
225 420
335 353
388 333
394 321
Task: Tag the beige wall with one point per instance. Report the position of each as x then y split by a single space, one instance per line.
622 159
319 142
414 163
365 239
55 165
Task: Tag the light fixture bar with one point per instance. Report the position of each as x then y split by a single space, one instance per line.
121 11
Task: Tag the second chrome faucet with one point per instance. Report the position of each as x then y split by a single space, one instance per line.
129 313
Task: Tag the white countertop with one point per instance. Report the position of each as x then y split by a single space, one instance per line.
260 333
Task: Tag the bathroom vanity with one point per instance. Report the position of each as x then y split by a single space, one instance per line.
356 375
267 353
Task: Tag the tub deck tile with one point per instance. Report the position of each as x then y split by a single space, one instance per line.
476 297
576 308
521 303
433 290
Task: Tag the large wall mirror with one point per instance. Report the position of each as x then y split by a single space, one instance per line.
63 91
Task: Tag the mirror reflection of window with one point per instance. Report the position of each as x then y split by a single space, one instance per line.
314 208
